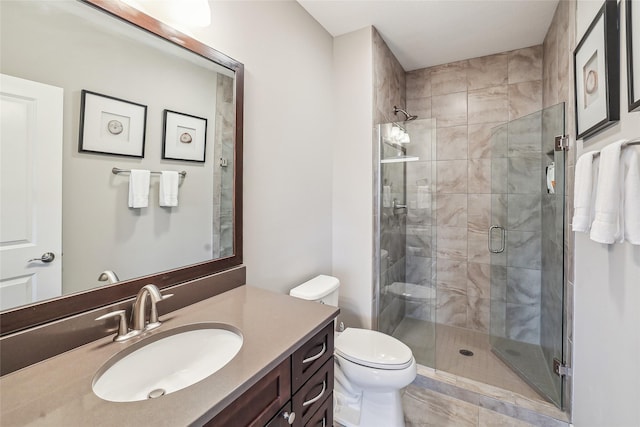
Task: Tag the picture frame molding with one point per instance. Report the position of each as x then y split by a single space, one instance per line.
609 12
83 121
632 86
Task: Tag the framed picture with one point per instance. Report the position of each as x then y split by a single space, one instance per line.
110 125
633 61
184 137
597 73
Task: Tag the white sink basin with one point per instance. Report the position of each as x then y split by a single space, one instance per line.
167 361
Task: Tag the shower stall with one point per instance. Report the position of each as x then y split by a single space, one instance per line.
469 265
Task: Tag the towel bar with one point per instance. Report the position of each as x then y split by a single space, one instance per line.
626 144
117 171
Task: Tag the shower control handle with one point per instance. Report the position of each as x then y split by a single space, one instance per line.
502 239
395 205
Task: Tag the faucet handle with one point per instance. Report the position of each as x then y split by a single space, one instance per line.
123 330
154 322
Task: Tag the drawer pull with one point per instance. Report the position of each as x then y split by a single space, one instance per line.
315 399
317 356
290 417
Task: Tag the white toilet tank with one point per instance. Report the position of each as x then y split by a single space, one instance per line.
323 289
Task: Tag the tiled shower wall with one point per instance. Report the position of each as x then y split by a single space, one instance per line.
389 90
223 176
467 99
558 47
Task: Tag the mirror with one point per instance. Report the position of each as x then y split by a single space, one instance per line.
185 87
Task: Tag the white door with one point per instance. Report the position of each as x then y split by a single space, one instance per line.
30 191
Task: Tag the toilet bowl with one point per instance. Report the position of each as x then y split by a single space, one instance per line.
370 367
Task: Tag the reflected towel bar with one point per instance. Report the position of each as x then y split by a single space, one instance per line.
117 171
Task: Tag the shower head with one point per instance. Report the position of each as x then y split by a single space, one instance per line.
408 117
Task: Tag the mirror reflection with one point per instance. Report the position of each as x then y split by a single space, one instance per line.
148 105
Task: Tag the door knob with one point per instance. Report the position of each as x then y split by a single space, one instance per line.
46 257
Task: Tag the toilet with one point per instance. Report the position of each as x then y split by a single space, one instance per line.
370 367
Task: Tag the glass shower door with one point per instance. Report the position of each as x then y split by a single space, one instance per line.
406 290
526 241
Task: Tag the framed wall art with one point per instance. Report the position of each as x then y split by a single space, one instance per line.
597 73
633 61
185 137
110 125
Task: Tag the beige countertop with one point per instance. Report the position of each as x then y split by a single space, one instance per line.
57 391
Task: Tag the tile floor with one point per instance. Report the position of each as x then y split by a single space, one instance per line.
483 366
467 391
427 408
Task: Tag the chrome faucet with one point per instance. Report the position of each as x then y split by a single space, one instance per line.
139 312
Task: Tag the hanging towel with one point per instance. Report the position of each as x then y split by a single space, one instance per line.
424 197
386 196
169 181
139 188
583 196
631 210
606 227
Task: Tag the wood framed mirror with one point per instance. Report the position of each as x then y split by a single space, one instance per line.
171 269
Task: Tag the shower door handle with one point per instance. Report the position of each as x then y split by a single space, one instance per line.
496 251
397 206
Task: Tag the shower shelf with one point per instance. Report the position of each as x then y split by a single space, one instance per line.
400 159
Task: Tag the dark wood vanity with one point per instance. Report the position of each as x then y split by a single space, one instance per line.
284 367
298 392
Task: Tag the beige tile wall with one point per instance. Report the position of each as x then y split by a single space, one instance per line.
468 98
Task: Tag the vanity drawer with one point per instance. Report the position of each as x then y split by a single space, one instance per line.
323 416
311 356
313 394
260 403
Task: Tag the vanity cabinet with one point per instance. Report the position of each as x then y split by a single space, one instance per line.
312 377
258 404
302 384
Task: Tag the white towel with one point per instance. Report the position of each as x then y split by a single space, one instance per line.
139 188
386 196
424 197
583 193
631 211
606 227
169 181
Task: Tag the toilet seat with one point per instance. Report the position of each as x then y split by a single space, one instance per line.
373 349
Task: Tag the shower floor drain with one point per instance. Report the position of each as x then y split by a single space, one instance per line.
465 352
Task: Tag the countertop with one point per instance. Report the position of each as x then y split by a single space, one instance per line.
57 391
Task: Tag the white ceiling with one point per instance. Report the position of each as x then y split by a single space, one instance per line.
423 33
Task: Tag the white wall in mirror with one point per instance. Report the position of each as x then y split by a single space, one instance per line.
44 42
